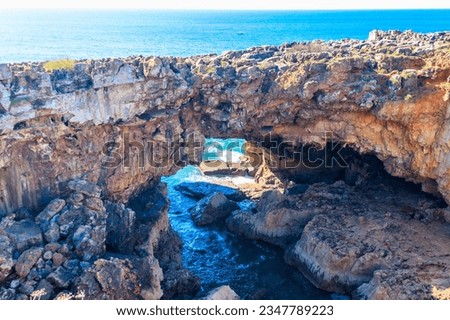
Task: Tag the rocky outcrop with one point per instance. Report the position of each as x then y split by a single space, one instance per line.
200 190
275 220
114 126
212 208
84 247
95 121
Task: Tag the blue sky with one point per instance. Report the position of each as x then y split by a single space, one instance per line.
227 4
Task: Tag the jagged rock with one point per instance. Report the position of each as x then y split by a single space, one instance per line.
114 279
7 294
24 234
222 293
405 285
50 211
27 288
94 204
85 187
5 72
52 247
89 242
341 252
179 282
47 255
199 190
76 198
61 277
212 208
297 189
120 227
274 221
6 256
51 231
27 260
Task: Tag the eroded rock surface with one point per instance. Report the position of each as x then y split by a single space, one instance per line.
387 96
212 208
82 247
82 137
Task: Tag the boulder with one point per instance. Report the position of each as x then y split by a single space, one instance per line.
51 231
275 220
6 256
27 260
199 190
212 208
85 187
89 241
222 293
61 277
24 234
50 211
113 279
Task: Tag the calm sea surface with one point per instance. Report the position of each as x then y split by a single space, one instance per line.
43 35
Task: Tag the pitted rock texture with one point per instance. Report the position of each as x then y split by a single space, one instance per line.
388 96
81 246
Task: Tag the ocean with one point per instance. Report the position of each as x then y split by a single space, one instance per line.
38 35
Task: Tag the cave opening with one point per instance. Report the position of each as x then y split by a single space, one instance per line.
225 249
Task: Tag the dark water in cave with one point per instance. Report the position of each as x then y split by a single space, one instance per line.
253 269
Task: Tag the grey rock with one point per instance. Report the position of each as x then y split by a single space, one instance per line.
27 260
15 283
24 234
199 190
47 255
85 187
212 208
50 211
61 278
51 232
89 242
76 198
5 72
94 204
6 256
27 288
7 294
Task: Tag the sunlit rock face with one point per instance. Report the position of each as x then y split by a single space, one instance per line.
387 96
121 124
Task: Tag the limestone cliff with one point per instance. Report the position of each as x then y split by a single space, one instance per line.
388 96
123 123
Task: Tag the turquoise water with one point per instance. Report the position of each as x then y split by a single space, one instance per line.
53 34
227 150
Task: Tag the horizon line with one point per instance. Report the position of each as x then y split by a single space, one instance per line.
221 9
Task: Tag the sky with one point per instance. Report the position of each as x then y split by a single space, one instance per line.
228 4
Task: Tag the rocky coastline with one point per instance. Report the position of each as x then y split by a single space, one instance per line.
84 216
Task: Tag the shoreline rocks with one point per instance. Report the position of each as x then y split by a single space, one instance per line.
89 248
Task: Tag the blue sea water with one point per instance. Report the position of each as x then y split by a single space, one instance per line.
52 34
252 268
